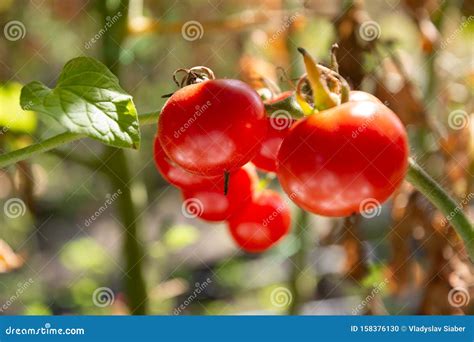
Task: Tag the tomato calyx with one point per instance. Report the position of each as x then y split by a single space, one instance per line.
193 75
320 88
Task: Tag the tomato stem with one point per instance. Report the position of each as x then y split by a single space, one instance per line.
445 203
226 182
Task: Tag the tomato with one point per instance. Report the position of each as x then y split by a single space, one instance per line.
278 125
211 204
177 176
212 127
262 223
358 95
333 162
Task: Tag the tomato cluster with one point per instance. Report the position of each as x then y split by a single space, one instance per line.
207 134
330 162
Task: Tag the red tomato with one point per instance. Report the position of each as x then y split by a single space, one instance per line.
278 124
211 204
177 176
262 223
212 127
334 161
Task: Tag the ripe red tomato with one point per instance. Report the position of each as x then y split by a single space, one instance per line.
332 162
278 126
177 176
262 223
211 204
212 127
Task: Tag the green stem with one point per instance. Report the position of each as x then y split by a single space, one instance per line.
16 156
120 178
441 200
298 260
40 147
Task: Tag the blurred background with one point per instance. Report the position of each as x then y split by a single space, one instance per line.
63 245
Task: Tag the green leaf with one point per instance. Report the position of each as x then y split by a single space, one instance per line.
87 100
12 117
